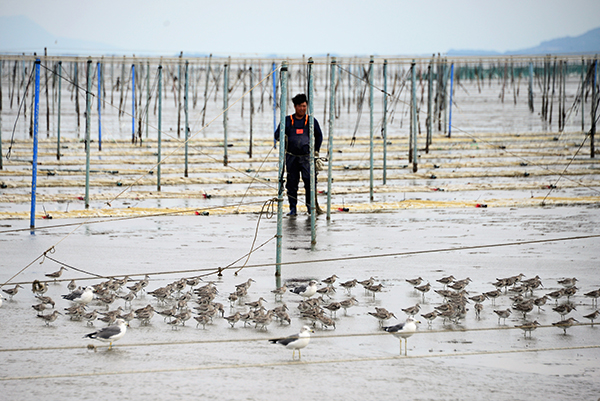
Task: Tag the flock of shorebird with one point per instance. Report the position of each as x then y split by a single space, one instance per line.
184 299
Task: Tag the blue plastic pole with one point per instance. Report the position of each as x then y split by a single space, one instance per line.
36 115
132 102
451 92
99 106
274 76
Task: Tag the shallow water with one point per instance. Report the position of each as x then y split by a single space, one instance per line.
448 361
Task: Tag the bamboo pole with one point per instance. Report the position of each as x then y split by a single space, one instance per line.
225 107
450 100
159 127
311 152
251 110
132 103
414 118
330 147
371 157
46 90
99 106
429 106
281 170
384 121
593 109
186 136
58 110
88 108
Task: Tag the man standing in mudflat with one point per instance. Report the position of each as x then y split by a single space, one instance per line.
297 151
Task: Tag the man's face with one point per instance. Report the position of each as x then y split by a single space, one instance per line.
300 109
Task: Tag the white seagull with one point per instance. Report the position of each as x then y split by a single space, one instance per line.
110 334
306 291
403 330
84 296
296 341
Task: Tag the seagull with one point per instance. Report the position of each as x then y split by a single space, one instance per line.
306 291
296 341
110 334
403 330
84 296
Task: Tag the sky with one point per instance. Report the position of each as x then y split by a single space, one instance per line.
309 27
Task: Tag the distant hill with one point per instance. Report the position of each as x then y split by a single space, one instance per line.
587 43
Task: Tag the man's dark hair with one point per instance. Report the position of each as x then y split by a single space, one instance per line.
299 99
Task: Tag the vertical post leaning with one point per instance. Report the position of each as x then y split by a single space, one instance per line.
88 108
36 113
185 112
225 107
384 122
330 146
98 66
429 105
371 64
450 100
282 140
132 103
311 151
413 103
58 111
159 126
593 109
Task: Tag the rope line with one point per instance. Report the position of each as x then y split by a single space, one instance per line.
293 363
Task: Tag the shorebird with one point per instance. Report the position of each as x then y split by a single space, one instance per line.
50 318
382 315
478 298
256 304
202 320
374 288
570 291
38 287
12 291
525 307
565 324
296 341
493 295
84 296
423 289
593 316
245 285
306 291
326 321
502 314
528 327
263 321
168 313
71 286
414 281
39 308
539 302
367 283
594 295
430 317
333 307
46 300
279 292
556 295
56 274
233 319
327 290
567 282
403 331
90 317
413 310
446 280
348 303
564 309
349 285
110 334
478 308
330 280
